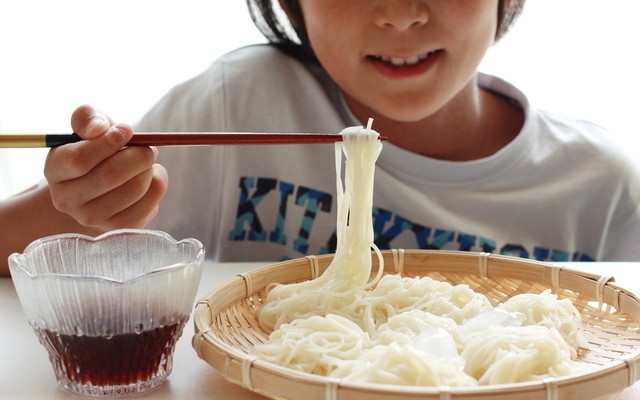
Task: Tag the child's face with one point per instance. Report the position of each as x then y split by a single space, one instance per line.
440 43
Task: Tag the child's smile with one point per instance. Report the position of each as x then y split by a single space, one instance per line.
401 60
404 67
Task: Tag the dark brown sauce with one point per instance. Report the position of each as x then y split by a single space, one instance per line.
117 360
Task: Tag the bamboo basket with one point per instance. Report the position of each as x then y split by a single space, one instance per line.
227 328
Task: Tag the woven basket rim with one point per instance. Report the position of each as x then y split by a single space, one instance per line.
237 366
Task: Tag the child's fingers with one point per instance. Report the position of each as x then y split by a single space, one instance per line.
78 159
131 205
72 195
142 211
101 182
95 212
102 211
118 169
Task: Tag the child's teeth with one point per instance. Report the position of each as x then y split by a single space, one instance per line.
399 61
411 60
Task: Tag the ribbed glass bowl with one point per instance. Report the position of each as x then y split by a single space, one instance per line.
109 309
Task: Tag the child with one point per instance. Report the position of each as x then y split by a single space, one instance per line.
468 165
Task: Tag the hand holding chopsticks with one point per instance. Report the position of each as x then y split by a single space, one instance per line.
176 139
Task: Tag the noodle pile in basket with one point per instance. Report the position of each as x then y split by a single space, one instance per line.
403 330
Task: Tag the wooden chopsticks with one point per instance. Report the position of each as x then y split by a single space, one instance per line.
175 139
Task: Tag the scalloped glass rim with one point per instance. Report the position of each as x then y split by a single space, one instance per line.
18 257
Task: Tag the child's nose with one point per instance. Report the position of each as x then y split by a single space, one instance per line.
401 14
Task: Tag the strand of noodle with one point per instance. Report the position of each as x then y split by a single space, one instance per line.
369 123
340 192
376 279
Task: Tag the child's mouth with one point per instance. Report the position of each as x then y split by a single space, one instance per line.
404 67
402 61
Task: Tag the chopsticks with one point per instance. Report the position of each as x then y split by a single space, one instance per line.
175 139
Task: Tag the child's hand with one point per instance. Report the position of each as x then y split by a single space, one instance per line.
101 183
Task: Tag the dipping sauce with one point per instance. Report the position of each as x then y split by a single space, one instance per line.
116 360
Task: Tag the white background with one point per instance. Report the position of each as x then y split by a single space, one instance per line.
574 57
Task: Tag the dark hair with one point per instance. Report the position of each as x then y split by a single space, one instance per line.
508 11
296 43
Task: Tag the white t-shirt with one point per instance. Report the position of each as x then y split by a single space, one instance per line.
561 190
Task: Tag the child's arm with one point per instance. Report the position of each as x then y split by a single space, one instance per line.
93 186
28 216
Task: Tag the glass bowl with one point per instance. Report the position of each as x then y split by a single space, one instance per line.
109 309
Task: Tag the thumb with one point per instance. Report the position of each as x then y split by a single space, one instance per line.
89 123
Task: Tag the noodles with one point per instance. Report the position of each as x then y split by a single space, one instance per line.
404 328
316 344
515 354
350 269
414 346
456 302
408 331
546 310
404 364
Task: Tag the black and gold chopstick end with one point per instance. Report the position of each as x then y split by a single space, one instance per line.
37 140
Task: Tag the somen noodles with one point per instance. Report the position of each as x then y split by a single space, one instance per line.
407 331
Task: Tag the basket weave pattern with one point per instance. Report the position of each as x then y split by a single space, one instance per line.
227 328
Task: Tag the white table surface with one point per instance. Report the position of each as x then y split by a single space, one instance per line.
25 371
